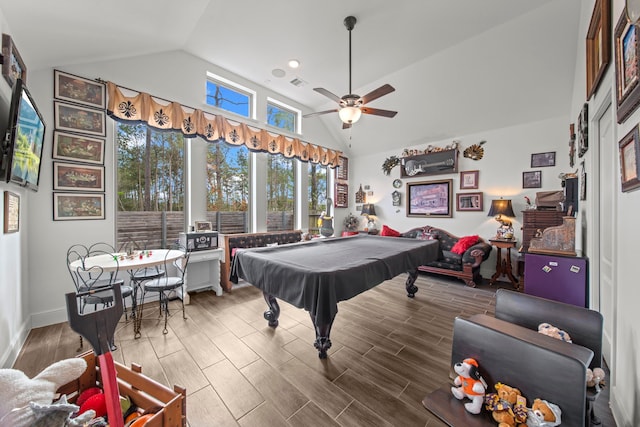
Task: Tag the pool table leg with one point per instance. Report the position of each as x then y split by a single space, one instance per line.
274 312
322 343
409 284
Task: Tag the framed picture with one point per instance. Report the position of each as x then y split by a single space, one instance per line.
11 212
583 183
541 160
203 226
68 87
13 67
342 171
75 118
78 148
430 199
627 60
629 148
598 41
77 206
469 180
583 130
469 202
572 145
532 179
438 162
342 195
396 198
72 176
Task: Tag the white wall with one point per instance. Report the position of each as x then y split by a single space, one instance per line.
507 153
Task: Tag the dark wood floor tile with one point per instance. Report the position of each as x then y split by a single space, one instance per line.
316 387
307 354
269 348
379 401
204 352
276 390
312 415
206 409
358 415
263 415
182 370
238 394
423 374
372 338
235 350
39 350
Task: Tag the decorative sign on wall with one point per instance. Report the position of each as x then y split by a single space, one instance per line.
342 195
439 162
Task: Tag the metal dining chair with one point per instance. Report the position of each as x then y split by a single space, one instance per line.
94 286
106 249
166 286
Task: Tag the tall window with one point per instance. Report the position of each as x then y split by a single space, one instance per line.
228 187
230 96
151 186
280 193
318 191
283 116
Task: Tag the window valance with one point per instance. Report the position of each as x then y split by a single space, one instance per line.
165 115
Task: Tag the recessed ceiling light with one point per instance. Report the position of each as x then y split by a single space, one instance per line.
278 72
294 63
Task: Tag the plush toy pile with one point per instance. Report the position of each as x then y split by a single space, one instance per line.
508 407
543 414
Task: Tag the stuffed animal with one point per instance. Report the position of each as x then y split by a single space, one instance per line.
28 401
469 384
544 414
552 331
508 407
595 377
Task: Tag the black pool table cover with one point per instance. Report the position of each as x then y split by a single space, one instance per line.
316 275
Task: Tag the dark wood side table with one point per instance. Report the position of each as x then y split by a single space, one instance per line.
503 264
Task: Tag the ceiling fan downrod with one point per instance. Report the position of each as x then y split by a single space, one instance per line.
350 23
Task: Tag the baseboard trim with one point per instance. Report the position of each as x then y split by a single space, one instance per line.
10 355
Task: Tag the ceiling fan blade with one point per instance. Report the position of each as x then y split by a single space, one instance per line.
378 112
328 94
377 93
320 112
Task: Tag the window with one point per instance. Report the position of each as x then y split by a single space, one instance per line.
230 96
280 193
228 187
151 186
318 193
282 116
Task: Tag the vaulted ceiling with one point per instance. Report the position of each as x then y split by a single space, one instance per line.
458 66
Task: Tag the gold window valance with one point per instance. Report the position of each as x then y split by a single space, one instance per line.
165 115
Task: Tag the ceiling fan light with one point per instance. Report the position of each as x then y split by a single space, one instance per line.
349 114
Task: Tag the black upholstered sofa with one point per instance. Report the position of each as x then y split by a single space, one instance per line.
465 267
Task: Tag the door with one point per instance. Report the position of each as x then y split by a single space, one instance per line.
606 204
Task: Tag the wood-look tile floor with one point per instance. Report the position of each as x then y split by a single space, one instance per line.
388 352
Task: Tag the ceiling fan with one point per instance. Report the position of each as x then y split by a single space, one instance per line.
351 106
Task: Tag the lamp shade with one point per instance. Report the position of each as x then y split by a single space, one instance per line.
368 209
349 114
501 207
633 10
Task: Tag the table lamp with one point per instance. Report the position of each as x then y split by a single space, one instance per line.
369 210
502 209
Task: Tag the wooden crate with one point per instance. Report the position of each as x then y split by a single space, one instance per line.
143 392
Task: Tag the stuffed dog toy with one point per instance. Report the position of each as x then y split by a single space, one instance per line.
469 384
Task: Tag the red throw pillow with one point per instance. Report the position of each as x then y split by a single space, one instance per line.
386 231
463 244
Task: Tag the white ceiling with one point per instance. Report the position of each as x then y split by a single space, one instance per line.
459 66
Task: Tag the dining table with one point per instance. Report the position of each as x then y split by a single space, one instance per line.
131 263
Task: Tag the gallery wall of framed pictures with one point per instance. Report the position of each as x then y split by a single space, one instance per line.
79 139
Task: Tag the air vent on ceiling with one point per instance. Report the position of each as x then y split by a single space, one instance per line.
298 82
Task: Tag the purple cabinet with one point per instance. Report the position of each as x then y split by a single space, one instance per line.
560 278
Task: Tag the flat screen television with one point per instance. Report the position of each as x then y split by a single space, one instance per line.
24 139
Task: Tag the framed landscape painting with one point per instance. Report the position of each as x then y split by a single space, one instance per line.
68 87
78 148
627 60
72 176
430 199
629 148
77 206
75 118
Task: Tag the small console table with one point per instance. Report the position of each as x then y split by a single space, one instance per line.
197 278
503 264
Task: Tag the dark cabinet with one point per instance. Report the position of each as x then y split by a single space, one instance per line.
533 220
560 278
